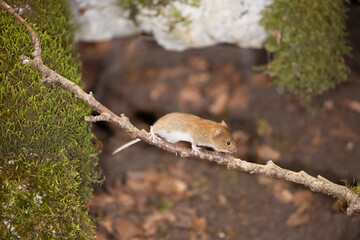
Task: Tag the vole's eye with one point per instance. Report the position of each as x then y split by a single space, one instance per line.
228 142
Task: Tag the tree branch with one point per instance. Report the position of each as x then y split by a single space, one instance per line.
318 184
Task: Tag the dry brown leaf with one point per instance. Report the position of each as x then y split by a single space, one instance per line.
303 199
106 223
125 200
190 97
198 63
151 175
171 186
155 220
199 224
221 199
156 90
344 132
353 105
349 146
281 192
100 236
240 99
184 217
101 200
315 141
240 136
299 217
127 229
198 79
172 73
219 104
266 152
329 105
265 180
259 80
218 93
338 206
227 68
135 182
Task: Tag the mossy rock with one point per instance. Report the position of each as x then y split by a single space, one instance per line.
308 42
47 159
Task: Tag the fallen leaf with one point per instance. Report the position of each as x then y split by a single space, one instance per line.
167 73
338 206
298 218
315 141
221 199
349 146
190 97
344 132
101 200
135 182
155 220
240 99
240 136
218 92
265 180
150 175
281 193
267 153
198 63
199 224
125 200
100 236
353 105
171 186
198 79
156 90
329 105
259 80
229 67
184 217
127 229
106 223
303 199
219 105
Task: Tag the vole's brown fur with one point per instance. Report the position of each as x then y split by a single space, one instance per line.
175 127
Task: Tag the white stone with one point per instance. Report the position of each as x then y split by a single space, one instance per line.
179 25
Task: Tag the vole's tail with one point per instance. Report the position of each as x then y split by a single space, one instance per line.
126 145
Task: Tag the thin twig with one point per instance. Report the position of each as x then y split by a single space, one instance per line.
318 184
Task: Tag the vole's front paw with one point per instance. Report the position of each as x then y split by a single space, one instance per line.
153 136
195 149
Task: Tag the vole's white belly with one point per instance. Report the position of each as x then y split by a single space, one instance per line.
174 136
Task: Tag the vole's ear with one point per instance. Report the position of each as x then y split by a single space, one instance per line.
217 133
223 123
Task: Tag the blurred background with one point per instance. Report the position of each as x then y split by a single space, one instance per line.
151 194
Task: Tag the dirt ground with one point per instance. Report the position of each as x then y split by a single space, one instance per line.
151 194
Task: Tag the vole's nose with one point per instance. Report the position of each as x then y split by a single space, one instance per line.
233 149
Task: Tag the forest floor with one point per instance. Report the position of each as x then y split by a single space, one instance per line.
151 194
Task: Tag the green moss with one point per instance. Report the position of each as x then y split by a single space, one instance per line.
355 189
158 6
46 157
164 204
307 39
